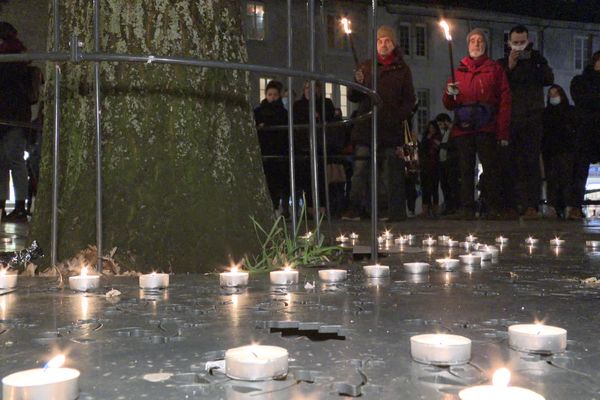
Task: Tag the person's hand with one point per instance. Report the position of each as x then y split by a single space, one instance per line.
359 76
452 89
399 152
513 58
503 143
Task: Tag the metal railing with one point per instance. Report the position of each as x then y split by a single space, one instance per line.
76 55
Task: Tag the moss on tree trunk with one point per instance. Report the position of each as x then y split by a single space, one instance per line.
181 163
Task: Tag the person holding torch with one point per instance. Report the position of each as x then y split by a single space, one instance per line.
395 87
481 100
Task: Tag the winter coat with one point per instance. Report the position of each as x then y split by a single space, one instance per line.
527 81
395 87
429 149
482 81
559 129
302 116
15 89
585 92
272 114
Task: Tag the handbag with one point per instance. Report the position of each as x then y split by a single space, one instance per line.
410 150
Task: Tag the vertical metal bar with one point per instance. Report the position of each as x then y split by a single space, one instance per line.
324 123
98 137
56 140
291 122
312 120
374 243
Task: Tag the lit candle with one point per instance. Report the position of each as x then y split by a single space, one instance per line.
333 275
286 276
354 236
502 240
416 267
401 240
594 244
376 271
256 363
7 280
470 259
537 338
342 238
429 241
531 241
440 349
84 282
410 237
499 390
443 239
485 255
452 243
493 250
470 238
233 278
448 264
154 281
466 245
387 235
50 382
557 242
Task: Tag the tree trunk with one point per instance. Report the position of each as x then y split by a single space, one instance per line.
181 164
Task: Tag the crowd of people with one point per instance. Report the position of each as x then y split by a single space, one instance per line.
508 114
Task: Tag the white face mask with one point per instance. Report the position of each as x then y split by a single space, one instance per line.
477 53
554 101
519 48
284 100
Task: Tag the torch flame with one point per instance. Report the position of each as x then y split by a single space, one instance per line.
346 24
56 362
501 377
446 29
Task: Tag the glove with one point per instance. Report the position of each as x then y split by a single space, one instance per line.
503 143
452 89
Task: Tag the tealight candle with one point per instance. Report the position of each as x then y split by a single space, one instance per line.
443 239
233 278
470 238
452 243
493 250
593 243
416 267
531 241
354 236
376 271
470 259
401 240
557 242
333 275
466 245
440 349
410 237
429 241
154 281
485 256
342 239
502 240
537 338
285 277
499 390
388 235
447 263
84 282
50 382
256 363
8 280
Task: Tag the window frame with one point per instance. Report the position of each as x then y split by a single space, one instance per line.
250 33
584 50
415 43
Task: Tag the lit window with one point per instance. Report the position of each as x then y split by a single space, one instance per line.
421 41
329 90
422 110
262 88
255 20
404 39
581 52
344 100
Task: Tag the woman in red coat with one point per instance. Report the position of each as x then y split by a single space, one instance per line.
481 101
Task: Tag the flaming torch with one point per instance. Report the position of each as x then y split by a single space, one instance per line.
348 30
446 29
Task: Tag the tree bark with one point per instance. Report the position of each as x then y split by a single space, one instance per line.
181 164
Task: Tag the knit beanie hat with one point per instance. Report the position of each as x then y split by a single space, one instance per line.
477 31
387 31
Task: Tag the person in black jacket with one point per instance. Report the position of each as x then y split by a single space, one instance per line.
449 167
558 149
528 72
429 159
274 144
585 92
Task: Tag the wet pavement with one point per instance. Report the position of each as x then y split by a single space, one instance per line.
347 339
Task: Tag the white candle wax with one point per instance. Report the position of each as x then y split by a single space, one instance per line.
452 243
401 240
154 281
493 250
84 282
387 235
501 240
537 338
342 239
354 236
499 390
470 238
531 241
466 245
593 243
440 349
429 242
557 242
233 278
470 259
447 264
416 267
8 280
284 277
443 239
256 363
485 255
333 275
376 271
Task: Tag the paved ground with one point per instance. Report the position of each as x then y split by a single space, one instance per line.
175 332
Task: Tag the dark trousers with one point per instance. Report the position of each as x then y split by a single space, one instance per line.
483 145
278 181
430 180
449 181
581 168
526 145
559 178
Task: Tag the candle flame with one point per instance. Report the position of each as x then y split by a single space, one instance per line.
234 269
501 377
2 271
446 29
84 271
56 362
346 24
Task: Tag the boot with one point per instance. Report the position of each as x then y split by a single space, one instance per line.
434 210
425 212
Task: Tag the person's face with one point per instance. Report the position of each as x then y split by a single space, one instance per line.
476 46
272 95
307 90
553 93
519 39
443 125
597 65
385 46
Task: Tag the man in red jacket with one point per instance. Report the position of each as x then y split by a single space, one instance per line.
481 101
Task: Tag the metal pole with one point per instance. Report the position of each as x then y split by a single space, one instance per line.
98 137
374 243
291 123
324 127
56 139
312 121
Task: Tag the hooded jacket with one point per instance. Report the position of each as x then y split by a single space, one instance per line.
395 87
585 91
483 81
15 86
560 127
272 114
